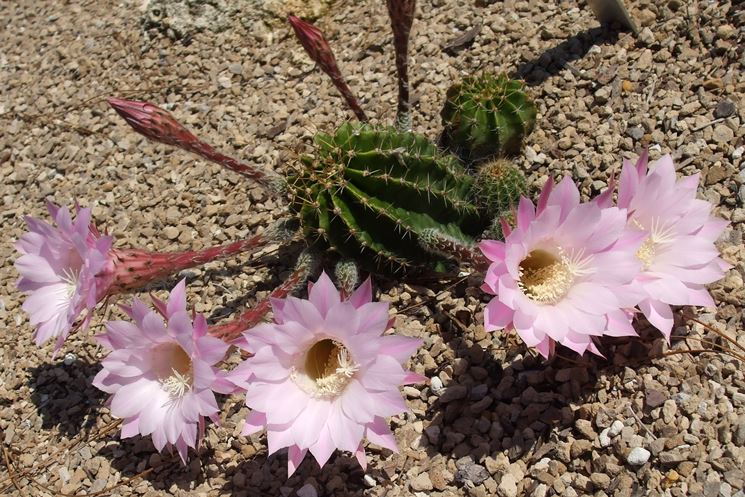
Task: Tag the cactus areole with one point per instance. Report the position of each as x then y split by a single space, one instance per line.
369 192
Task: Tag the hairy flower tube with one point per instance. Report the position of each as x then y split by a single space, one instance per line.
678 257
562 275
58 267
323 376
67 269
161 375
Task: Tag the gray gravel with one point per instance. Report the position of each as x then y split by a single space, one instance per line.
494 420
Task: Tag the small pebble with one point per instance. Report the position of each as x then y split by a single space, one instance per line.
638 456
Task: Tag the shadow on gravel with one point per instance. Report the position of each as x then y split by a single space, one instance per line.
137 456
64 396
260 475
555 59
501 398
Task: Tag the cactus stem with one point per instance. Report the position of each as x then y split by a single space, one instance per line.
436 242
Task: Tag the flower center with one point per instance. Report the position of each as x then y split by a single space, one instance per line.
70 277
173 368
546 278
659 236
327 369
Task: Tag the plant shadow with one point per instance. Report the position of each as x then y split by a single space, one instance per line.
554 60
64 396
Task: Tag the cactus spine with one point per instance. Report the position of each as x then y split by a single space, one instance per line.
369 192
486 115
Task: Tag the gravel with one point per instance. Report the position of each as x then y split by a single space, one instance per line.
494 418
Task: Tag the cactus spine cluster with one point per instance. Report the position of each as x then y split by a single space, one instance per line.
485 116
369 193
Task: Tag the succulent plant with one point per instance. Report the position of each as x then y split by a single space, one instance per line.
369 192
485 116
499 185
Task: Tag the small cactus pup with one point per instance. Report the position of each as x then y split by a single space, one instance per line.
499 185
369 192
486 116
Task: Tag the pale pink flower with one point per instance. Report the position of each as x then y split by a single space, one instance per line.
68 269
678 257
323 376
161 375
562 275
58 267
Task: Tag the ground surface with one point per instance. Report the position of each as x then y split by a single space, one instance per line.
495 419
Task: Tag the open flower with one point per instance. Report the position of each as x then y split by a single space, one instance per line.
58 267
562 275
678 257
323 376
68 269
161 375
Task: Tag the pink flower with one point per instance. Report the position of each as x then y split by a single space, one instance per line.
323 376
562 275
58 267
161 375
68 269
678 257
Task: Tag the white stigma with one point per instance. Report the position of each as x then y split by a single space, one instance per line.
546 278
327 370
659 236
177 384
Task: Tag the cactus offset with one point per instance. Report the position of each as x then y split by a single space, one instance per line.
486 115
369 192
499 185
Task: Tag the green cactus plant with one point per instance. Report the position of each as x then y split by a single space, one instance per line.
485 116
369 192
499 185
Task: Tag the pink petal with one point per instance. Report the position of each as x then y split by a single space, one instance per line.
362 295
399 347
493 250
324 447
308 425
359 454
380 434
177 298
497 315
255 422
324 294
295 456
659 314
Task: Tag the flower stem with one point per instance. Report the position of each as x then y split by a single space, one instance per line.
159 125
401 13
232 330
135 268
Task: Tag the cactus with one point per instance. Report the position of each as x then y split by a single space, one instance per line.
500 227
499 185
369 192
486 115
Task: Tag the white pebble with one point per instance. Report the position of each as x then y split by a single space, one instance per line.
615 428
69 358
638 456
436 385
604 438
370 481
